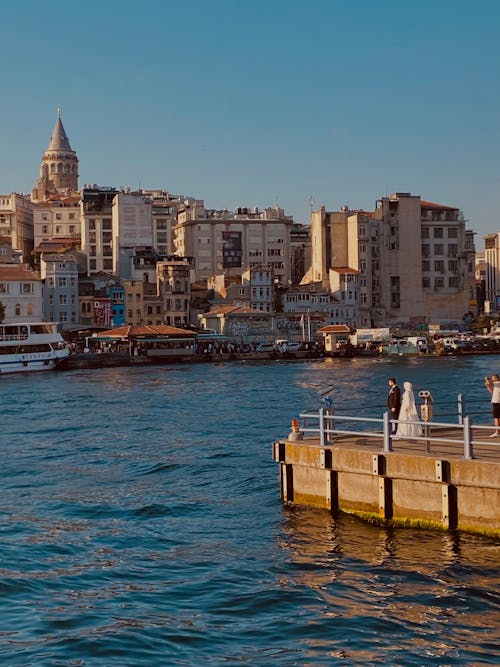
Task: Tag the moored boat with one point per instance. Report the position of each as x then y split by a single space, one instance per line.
30 346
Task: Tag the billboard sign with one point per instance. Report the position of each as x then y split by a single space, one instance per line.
231 250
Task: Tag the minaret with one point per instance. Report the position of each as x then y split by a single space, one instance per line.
59 166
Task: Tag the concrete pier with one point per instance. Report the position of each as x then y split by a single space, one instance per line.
421 484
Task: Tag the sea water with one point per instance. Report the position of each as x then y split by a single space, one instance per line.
141 524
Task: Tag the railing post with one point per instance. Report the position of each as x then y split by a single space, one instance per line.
461 409
387 432
468 450
321 427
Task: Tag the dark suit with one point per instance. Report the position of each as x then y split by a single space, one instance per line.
394 403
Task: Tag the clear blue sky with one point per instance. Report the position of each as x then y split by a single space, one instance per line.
253 103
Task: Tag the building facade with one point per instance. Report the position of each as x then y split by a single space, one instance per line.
20 293
414 259
226 242
59 273
16 224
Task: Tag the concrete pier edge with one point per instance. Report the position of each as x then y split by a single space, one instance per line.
392 488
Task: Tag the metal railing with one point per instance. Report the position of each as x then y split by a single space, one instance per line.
325 426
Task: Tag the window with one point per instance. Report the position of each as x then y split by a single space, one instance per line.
425 250
62 281
45 229
4 288
62 299
426 282
425 232
453 281
27 288
438 283
452 265
452 232
438 232
439 266
426 265
72 229
63 316
452 250
18 310
438 248
92 264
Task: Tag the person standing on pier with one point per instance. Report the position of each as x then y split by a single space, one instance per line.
409 424
394 401
493 386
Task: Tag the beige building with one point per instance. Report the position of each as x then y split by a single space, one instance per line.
58 217
414 259
491 272
174 290
16 223
20 293
226 242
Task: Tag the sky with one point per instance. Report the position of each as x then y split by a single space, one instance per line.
260 102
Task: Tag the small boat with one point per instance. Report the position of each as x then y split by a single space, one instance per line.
30 346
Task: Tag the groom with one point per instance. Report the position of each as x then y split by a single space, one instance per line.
394 402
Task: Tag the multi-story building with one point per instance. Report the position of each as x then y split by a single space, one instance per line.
20 293
174 289
300 252
97 228
58 168
132 227
413 259
57 217
16 223
260 280
60 294
229 243
492 272
428 260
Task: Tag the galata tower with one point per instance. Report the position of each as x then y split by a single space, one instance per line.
59 166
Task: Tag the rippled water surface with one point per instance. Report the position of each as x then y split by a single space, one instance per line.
141 524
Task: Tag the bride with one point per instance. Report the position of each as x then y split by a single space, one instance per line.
408 414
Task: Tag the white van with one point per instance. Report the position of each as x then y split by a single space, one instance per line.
420 342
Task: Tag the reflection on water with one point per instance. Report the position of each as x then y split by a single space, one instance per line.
141 524
428 595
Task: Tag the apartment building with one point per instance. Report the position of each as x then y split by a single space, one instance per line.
413 258
97 228
20 293
60 288
174 290
16 223
230 242
491 272
57 218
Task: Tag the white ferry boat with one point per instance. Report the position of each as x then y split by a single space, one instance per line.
30 346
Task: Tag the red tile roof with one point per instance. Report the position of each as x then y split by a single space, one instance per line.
433 205
135 330
344 269
235 310
18 272
336 328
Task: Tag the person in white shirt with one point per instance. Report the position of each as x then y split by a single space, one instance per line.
493 386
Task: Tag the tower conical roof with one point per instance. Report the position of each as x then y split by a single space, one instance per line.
59 140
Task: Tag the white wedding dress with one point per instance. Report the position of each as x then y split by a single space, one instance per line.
408 414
